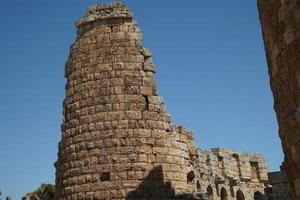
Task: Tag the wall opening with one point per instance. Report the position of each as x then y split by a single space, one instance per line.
209 193
207 160
224 195
221 165
217 189
190 176
198 185
232 190
240 195
254 170
258 196
146 102
237 164
105 176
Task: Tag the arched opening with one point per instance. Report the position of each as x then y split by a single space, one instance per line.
198 185
258 196
209 193
224 195
240 195
190 176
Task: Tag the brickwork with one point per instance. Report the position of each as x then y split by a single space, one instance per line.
280 26
116 131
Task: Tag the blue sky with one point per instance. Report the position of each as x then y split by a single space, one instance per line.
212 75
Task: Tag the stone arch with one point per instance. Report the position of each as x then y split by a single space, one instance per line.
223 194
209 193
190 177
198 185
258 195
240 195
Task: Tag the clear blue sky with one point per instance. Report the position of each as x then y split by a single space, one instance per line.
212 75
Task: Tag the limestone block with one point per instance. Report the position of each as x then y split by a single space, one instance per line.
149 67
146 52
148 91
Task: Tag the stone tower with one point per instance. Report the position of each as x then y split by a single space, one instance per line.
280 21
117 138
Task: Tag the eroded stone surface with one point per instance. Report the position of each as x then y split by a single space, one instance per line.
280 24
118 141
116 131
236 174
281 189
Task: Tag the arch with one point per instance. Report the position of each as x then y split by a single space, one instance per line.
240 195
258 195
209 193
190 176
224 195
198 185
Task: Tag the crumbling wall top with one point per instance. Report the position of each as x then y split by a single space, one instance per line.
105 11
225 152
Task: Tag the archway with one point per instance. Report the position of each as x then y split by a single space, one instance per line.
198 185
224 195
190 177
240 195
258 196
209 193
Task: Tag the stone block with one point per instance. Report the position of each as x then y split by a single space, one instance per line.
146 91
149 67
133 114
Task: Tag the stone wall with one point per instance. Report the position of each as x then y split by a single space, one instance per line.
280 186
118 141
228 174
44 192
280 20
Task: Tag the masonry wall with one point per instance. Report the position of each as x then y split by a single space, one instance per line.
280 186
280 20
227 174
118 141
117 138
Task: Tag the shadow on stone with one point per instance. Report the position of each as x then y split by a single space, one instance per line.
153 187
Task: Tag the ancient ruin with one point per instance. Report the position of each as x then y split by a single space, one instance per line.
280 24
228 174
281 189
116 129
118 141
44 192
